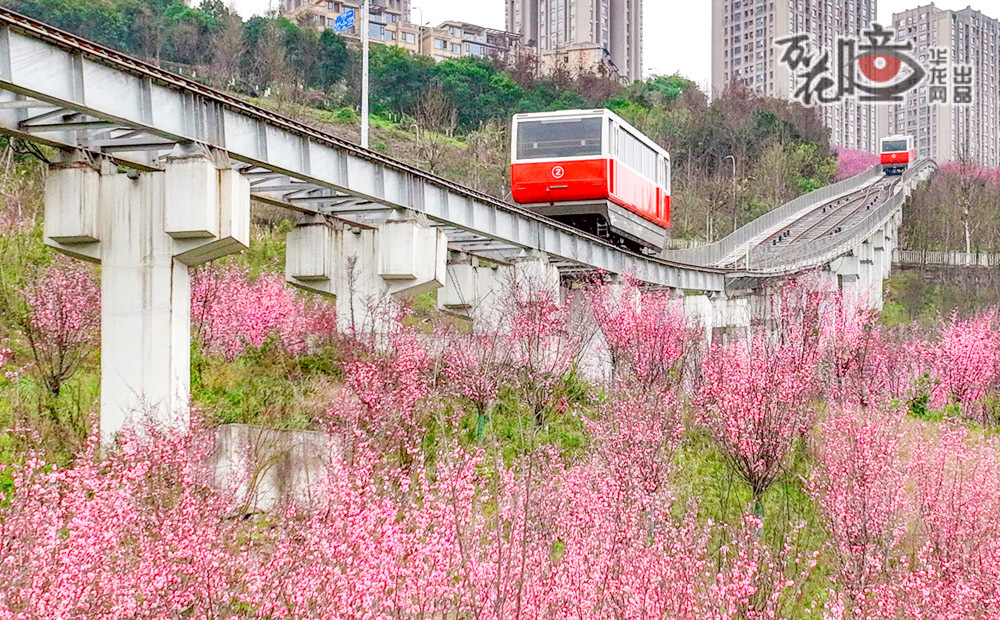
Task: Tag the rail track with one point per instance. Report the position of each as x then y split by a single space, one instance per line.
824 220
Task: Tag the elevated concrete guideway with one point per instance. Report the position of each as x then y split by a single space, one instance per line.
67 92
156 172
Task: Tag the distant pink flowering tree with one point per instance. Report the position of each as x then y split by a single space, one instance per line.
476 366
230 312
859 486
968 363
852 162
647 335
965 170
543 344
63 322
392 384
753 400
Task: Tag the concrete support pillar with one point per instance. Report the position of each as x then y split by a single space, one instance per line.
366 268
730 314
146 230
474 288
700 313
533 272
848 269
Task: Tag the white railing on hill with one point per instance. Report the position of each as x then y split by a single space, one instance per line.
818 252
713 253
945 259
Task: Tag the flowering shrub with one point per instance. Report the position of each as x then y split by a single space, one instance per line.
968 363
63 323
852 162
231 313
647 335
391 386
858 485
476 364
543 344
753 400
956 573
412 518
990 175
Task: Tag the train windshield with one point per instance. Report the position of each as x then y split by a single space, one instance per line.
578 137
893 146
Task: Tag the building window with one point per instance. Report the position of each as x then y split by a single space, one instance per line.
456 48
440 44
409 37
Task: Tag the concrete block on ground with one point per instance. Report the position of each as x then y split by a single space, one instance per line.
269 466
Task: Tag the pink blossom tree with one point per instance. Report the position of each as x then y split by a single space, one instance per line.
859 486
63 323
543 344
956 571
753 400
647 334
852 162
968 363
138 531
476 364
392 385
230 312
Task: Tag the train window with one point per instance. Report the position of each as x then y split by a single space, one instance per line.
892 146
578 137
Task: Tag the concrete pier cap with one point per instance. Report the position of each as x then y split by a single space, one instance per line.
146 229
366 268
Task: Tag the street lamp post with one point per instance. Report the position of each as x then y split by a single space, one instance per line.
420 30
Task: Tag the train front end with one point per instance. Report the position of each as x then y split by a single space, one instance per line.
897 154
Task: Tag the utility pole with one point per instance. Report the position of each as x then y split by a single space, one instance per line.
364 73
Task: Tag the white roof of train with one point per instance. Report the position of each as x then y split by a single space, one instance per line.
599 112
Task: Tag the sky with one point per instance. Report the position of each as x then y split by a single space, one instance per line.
677 35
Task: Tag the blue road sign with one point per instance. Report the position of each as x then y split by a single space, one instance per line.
344 21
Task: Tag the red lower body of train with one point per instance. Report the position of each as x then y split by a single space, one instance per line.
897 163
632 206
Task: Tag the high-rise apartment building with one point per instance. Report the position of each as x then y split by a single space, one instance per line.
582 35
743 52
950 132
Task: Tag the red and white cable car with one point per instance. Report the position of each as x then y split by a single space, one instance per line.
897 154
594 171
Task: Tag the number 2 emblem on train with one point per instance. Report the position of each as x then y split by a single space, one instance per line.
593 171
